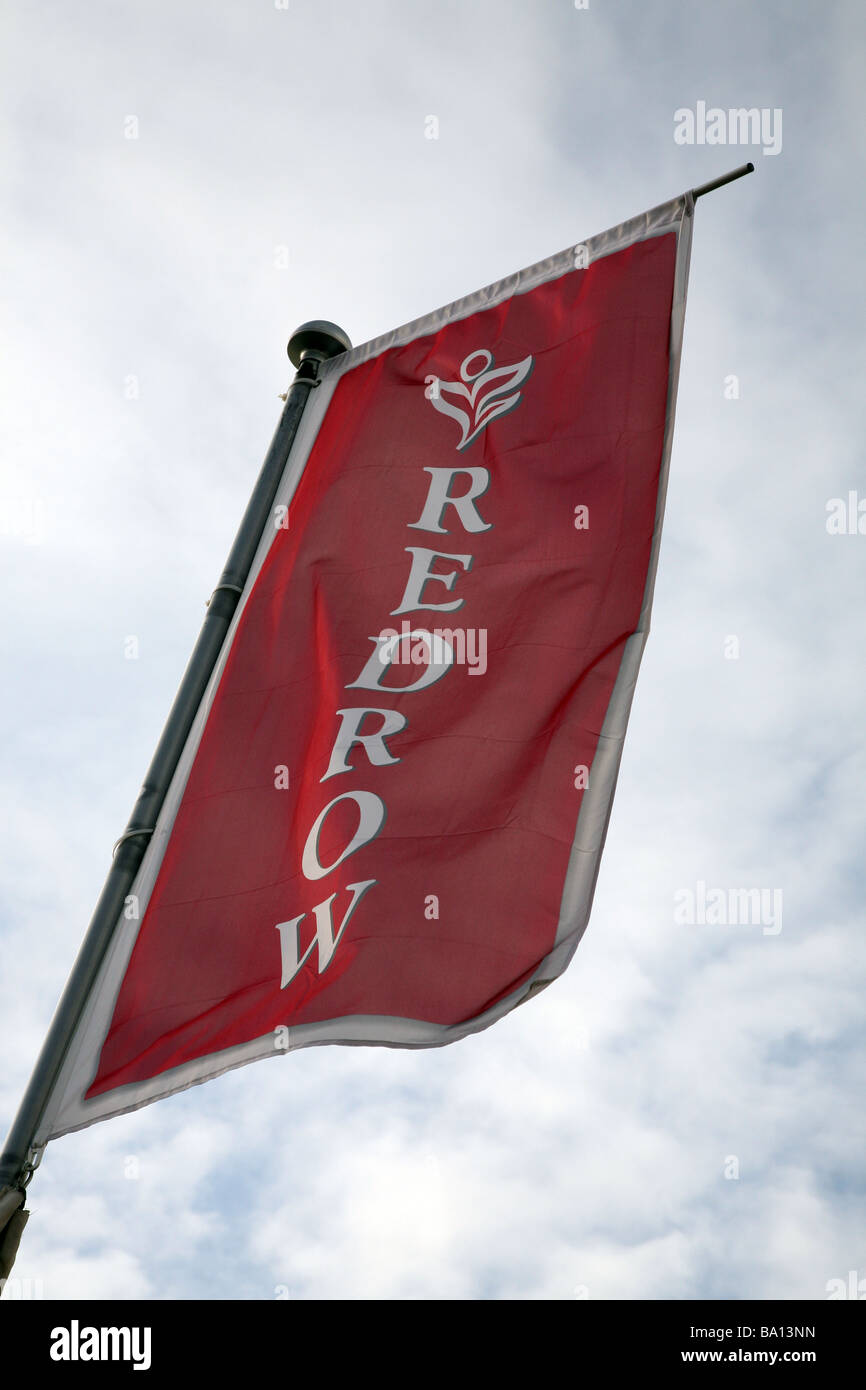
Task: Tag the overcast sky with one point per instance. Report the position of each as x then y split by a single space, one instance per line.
586 1145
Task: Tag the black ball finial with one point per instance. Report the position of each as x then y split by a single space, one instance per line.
318 340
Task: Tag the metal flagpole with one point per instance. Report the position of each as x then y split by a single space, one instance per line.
722 180
310 345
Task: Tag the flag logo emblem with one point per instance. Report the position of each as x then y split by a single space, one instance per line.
487 391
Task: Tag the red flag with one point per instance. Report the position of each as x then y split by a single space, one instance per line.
387 822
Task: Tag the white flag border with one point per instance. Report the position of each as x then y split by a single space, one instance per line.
66 1110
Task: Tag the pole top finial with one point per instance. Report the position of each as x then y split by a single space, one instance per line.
318 340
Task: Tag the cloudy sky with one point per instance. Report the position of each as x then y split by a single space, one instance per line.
680 1115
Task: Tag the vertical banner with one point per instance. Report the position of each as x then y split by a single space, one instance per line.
387 822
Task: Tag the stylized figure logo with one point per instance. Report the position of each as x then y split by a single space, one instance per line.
488 392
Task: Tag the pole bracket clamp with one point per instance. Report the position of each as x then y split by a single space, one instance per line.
128 834
235 589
